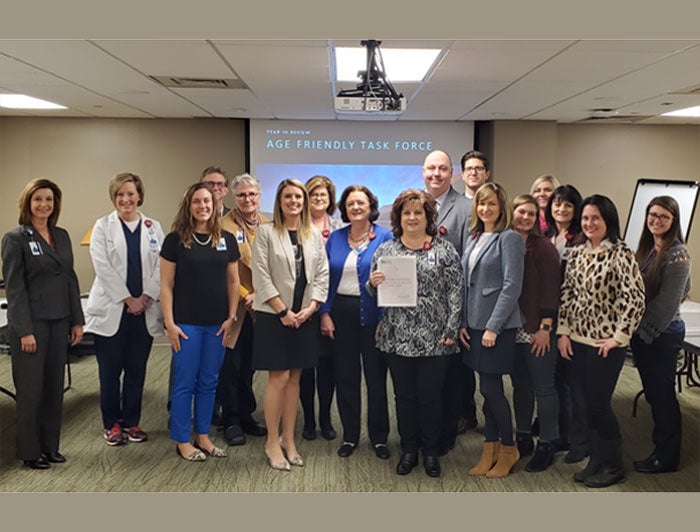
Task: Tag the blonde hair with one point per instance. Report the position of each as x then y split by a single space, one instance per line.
126 177
546 177
304 226
486 191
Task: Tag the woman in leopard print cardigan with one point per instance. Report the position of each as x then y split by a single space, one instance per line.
602 302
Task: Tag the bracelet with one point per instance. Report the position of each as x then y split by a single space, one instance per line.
233 317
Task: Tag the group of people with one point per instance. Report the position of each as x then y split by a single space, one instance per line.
542 289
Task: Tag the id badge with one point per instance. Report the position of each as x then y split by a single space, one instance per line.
35 248
240 236
431 258
222 245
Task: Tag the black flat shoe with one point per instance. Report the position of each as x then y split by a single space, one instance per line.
432 466
542 459
233 434
382 451
346 449
254 428
328 433
607 476
39 463
574 456
652 465
309 434
407 463
54 458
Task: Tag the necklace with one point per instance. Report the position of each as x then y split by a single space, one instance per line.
206 242
358 240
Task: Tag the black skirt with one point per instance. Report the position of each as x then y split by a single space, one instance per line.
277 348
497 360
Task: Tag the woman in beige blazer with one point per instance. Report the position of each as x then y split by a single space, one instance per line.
290 276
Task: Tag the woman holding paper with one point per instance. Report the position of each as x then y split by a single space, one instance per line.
418 338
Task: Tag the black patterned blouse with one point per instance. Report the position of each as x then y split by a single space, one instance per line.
416 331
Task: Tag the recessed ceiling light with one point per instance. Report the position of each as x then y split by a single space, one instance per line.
400 64
689 112
22 101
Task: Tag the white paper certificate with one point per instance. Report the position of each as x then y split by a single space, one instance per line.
400 287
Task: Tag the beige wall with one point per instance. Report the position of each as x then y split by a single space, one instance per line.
599 159
82 155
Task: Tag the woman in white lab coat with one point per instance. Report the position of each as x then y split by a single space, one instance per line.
123 310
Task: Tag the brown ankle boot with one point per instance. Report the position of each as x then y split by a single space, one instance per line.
507 457
489 455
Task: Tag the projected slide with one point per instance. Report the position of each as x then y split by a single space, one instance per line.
385 157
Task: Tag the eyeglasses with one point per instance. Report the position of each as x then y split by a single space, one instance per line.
247 195
215 184
661 217
477 169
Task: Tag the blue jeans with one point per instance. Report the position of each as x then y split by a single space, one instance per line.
196 370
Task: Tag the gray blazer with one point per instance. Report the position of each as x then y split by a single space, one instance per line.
493 288
40 283
454 217
274 269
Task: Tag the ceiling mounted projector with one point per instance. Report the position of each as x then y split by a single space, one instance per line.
374 94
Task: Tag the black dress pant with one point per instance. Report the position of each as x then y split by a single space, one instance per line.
572 401
321 379
418 386
125 352
596 376
234 390
38 379
656 363
355 352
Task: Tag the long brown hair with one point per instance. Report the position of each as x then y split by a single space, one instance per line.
184 223
506 212
25 201
652 273
525 199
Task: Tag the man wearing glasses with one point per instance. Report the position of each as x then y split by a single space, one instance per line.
216 180
475 172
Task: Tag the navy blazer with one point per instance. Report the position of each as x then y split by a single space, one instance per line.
453 218
492 290
40 283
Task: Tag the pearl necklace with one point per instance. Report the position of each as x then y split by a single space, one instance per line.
205 243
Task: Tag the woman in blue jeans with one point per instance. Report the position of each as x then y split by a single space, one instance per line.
665 265
199 297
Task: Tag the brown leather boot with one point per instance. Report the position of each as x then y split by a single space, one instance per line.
507 457
489 455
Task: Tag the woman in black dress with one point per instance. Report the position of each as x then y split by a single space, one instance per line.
290 276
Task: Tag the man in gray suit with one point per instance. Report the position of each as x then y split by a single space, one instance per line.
453 219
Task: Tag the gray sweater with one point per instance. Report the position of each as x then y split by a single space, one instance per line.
664 307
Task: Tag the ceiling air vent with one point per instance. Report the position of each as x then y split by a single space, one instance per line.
179 82
615 119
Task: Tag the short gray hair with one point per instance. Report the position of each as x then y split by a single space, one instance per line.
245 179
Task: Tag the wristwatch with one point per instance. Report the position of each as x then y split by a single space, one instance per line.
545 327
282 313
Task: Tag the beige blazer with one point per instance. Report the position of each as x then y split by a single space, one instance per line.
274 270
245 244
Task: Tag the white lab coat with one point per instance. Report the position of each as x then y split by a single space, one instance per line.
105 304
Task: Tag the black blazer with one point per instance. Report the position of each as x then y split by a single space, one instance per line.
40 283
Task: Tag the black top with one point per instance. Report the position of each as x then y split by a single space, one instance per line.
200 295
134 280
300 284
